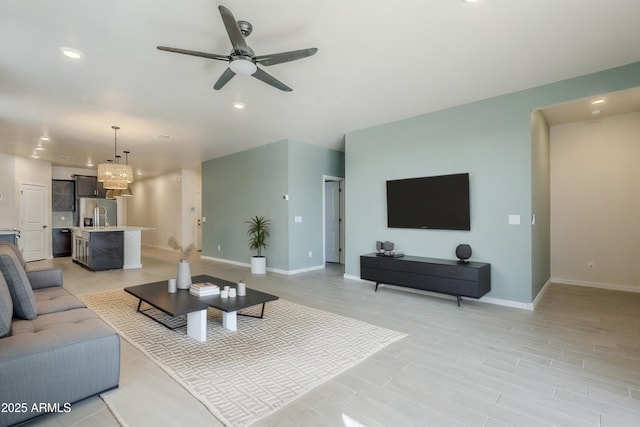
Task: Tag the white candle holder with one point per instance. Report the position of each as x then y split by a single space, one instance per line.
242 289
172 285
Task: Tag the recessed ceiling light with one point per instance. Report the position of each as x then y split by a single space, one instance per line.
63 157
164 136
40 148
595 112
598 101
238 105
45 138
470 1
89 163
35 156
71 53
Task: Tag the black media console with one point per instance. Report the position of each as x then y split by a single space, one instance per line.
472 279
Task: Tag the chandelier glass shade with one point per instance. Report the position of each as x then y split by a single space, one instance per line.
114 175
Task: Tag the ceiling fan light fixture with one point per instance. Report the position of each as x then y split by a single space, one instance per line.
243 65
71 53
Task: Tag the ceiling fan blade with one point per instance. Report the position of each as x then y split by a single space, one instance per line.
224 79
279 58
270 80
235 35
195 53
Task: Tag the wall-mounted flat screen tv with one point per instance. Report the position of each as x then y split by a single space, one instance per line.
432 202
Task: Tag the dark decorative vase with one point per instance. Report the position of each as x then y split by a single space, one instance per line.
463 252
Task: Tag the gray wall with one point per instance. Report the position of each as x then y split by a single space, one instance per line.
490 139
253 182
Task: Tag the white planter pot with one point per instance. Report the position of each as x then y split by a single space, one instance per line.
183 278
258 265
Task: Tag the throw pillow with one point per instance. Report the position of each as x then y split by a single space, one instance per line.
24 302
6 308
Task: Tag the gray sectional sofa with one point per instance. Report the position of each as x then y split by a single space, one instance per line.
54 351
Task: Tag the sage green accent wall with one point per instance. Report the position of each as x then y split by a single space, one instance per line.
490 139
540 202
237 187
254 182
307 165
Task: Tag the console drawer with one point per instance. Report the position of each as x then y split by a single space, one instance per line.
429 274
449 269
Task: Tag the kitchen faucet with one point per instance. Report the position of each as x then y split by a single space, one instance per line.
97 215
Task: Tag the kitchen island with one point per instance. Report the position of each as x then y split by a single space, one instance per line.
107 248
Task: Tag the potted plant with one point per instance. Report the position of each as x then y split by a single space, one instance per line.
183 278
258 232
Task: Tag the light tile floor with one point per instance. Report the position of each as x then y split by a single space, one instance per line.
574 361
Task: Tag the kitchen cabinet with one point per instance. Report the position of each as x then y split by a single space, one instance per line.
63 195
100 250
88 186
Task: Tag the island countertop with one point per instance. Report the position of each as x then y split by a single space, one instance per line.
116 228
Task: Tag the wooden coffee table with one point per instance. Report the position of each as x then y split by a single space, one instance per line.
183 303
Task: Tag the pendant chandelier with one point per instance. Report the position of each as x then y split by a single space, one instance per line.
114 175
112 194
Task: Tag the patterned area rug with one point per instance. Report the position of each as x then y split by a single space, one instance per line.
259 368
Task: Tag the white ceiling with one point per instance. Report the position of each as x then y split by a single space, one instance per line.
377 62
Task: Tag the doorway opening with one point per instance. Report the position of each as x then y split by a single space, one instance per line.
333 219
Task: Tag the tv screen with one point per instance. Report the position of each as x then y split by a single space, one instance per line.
433 202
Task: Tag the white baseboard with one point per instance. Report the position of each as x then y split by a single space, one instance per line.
507 303
226 261
609 286
270 269
542 291
298 271
488 300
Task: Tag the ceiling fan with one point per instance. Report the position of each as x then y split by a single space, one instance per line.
242 60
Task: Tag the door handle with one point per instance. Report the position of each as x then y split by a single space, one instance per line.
45 226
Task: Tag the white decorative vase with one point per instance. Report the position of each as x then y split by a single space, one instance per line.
183 278
258 265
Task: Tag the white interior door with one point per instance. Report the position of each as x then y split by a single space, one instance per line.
34 228
332 221
198 220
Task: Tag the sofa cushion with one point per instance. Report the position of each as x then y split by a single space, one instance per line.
24 302
16 250
44 277
58 357
6 308
55 299
28 266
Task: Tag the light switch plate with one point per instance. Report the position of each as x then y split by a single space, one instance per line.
514 219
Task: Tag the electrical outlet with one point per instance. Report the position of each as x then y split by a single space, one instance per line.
591 265
310 254
219 248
